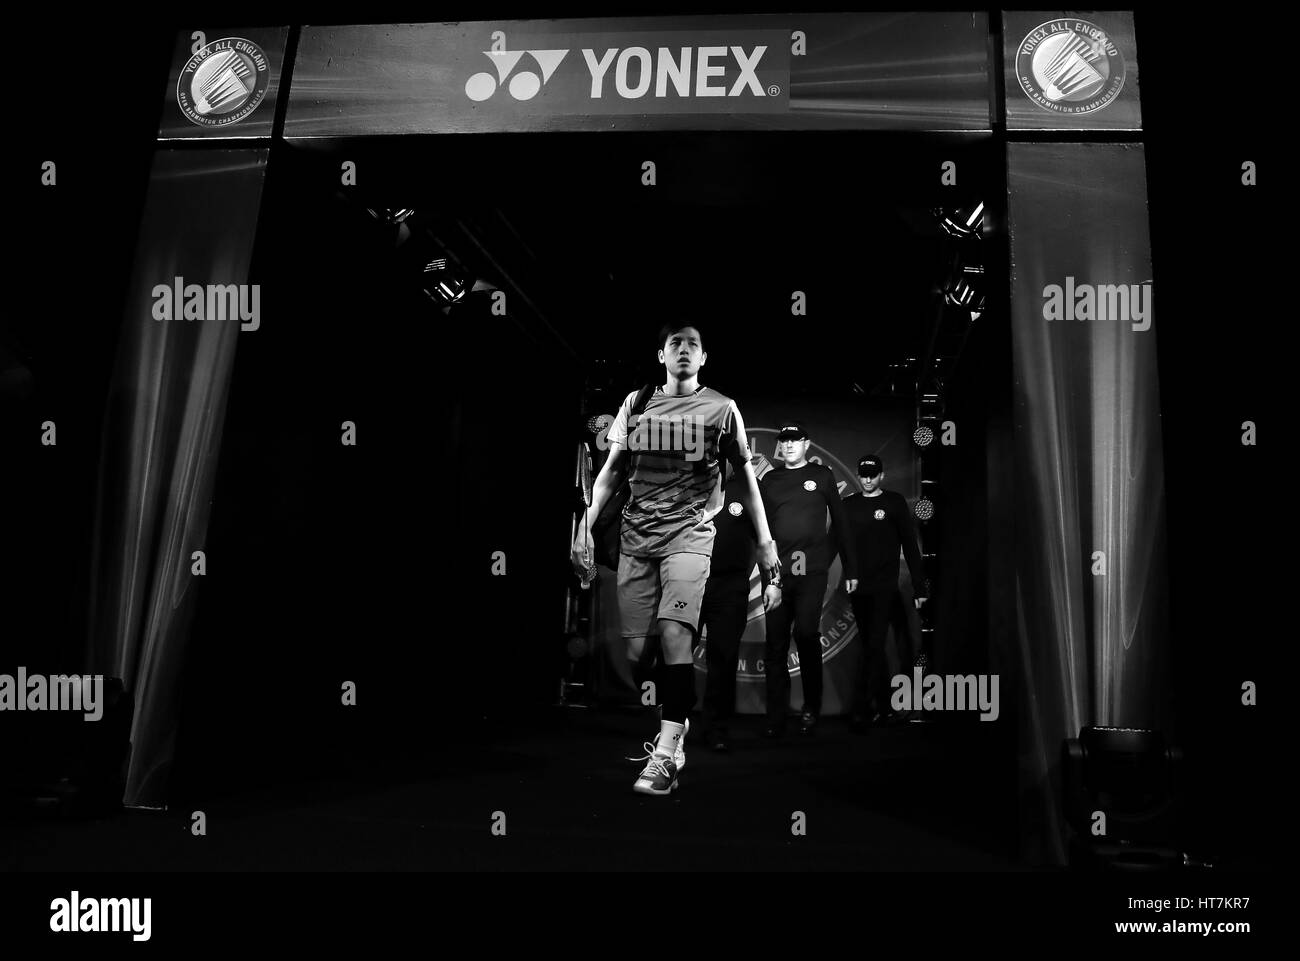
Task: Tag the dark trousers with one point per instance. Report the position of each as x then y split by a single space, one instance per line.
723 614
801 607
873 609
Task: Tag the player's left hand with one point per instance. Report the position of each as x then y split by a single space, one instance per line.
771 598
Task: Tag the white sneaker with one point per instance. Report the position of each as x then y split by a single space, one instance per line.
659 775
679 756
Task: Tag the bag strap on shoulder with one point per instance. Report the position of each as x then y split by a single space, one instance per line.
642 399
639 404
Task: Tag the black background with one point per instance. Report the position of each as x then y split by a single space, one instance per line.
1216 248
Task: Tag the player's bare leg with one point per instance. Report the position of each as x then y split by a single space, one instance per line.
676 695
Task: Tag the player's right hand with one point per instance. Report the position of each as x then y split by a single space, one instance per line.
583 553
771 598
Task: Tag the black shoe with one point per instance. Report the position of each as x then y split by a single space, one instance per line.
884 719
774 732
719 741
808 725
859 724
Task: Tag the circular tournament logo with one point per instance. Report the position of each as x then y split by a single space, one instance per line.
735 508
880 515
1069 67
837 624
223 82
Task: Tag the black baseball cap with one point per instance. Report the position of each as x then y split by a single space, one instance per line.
791 430
870 466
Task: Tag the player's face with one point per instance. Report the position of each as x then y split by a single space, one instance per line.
793 451
871 484
683 353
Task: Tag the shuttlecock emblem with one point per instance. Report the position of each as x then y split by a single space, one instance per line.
1066 67
223 82
1070 66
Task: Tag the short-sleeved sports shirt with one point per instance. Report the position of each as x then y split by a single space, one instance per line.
676 471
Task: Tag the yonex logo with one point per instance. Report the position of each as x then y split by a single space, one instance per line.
655 73
666 71
523 85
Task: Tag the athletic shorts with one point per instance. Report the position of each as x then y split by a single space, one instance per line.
654 588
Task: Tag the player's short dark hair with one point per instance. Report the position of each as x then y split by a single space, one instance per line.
673 326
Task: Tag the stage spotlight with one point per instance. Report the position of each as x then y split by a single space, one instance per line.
390 215
62 766
1132 775
965 287
443 283
900 380
963 222
923 437
924 509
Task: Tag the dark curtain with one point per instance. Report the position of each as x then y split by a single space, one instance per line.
1089 471
161 436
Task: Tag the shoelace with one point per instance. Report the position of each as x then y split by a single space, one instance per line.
654 761
649 748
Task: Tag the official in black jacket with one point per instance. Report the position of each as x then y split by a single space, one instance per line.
882 524
797 498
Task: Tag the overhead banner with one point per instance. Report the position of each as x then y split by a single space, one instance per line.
898 71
